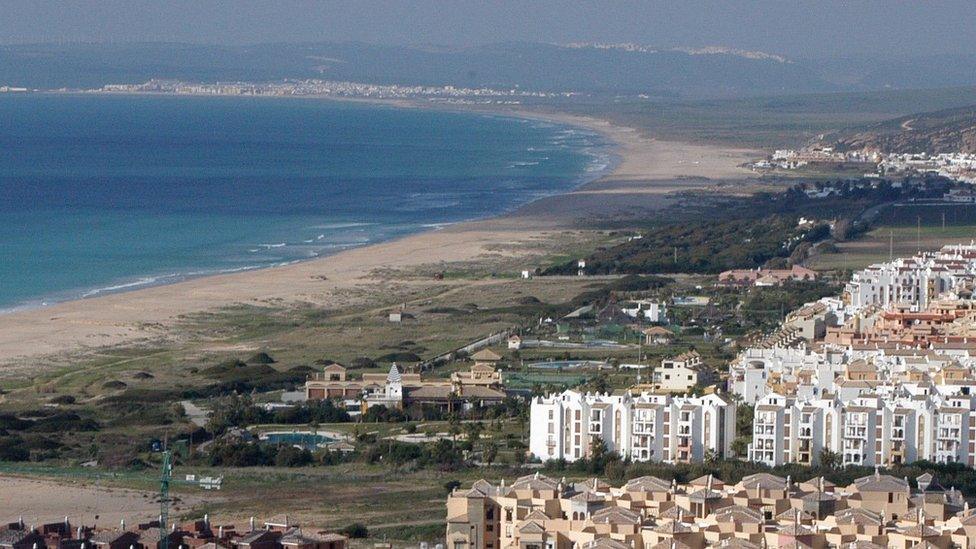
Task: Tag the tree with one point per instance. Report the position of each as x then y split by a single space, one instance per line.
489 452
599 455
356 530
743 420
473 429
616 471
829 459
451 485
740 446
446 455
519 458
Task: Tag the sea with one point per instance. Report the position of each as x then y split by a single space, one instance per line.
103 193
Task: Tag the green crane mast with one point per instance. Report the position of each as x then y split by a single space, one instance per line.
164 480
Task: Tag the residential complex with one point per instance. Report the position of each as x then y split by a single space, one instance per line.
481 385
642 427
884 376
278 532
762 510
765 277
914 281
959 166
871 430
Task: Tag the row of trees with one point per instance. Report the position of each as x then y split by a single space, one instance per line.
240 411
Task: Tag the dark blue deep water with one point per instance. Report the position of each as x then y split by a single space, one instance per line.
105 193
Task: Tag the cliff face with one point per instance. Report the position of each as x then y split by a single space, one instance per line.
947 131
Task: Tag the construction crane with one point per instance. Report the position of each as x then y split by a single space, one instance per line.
165 479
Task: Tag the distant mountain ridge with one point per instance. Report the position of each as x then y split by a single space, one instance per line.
707 50
539 67
945 131
595 68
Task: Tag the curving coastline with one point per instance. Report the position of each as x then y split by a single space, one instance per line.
646 171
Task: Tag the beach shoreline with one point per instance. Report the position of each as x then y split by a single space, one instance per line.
645 172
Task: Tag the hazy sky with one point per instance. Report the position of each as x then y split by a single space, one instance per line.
796 28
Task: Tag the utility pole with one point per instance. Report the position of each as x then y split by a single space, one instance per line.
891 244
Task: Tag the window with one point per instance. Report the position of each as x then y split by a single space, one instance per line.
459 545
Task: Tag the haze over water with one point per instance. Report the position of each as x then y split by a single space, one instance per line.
105 193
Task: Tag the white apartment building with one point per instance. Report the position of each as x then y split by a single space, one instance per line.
643 427
649 311
868 430
913 281
680 374
753 373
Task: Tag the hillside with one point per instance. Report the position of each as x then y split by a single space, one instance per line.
945 131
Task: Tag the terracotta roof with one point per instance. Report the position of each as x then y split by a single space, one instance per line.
535 482
881 483
615 515
478 391
670 544
647 484
593 484
486 355
763 481
606 543
919 531
739 514
858 516
673 527
431 391
735 543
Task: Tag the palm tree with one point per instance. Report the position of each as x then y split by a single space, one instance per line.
829 459
489 452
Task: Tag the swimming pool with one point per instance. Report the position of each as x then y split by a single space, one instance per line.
306 440
567 365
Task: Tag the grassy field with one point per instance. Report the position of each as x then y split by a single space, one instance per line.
767 122
903 231
902 241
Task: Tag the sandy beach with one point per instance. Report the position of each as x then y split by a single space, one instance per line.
83 503
647 171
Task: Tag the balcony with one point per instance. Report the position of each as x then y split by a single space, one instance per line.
949 434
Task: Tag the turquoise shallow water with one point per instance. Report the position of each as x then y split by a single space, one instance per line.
109 193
